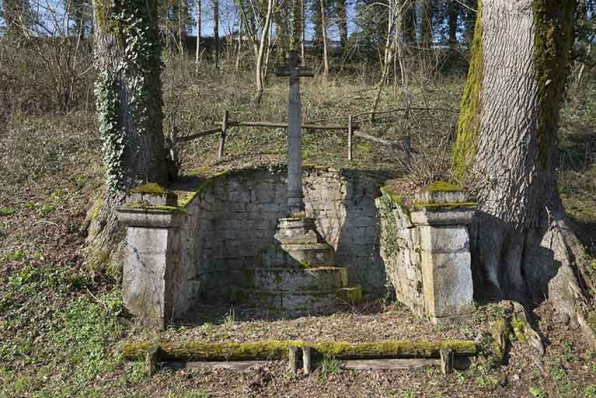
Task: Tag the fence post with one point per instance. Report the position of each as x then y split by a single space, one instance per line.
350 134
222 138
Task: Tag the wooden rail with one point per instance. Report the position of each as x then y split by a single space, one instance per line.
351 128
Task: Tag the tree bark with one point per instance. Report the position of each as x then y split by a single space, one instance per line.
342 23
263 41
198 52
216 32
452 15
427 24
324 33
409 28
522 247
129 102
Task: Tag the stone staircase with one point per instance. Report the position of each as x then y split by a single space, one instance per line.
297 275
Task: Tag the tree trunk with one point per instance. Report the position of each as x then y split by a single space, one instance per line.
281 31
261 54
427 24
342 23
216 32
506 149
324 33
198 53
129 102
297 25
409 28
303 29
453 12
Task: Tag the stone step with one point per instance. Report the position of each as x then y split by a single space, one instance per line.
298 303
297 280
350 295
297 255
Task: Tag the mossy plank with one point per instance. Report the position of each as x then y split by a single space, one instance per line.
195 350
150 189
442 186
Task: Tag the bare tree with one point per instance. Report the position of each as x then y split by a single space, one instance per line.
199 27
325 44
216 33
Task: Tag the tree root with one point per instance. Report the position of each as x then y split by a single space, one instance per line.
565 288
514 325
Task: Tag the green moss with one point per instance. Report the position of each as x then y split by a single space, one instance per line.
351 295
278 278
442 186
520 327
500 339
468 126
394 198
150 189
94 213
145 206
554 24
248 276
444 206
195 350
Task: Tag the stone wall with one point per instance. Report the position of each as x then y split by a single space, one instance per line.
205 245
401 253
235 215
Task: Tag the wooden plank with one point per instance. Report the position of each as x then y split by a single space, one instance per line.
376 139
240 366
406 109
198 135
284 125
293 359
151 359
306 360
222 137
196 350
447 358
389 364
350 134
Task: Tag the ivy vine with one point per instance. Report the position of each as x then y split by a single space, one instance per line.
136 71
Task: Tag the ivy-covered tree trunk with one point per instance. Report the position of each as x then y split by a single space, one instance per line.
129 103
506 149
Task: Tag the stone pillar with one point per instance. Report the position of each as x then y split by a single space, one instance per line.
441 215
151 256
295 198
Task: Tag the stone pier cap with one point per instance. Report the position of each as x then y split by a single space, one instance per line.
442 203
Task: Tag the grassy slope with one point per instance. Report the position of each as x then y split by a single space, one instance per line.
58 331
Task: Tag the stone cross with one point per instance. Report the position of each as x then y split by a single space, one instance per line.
295 72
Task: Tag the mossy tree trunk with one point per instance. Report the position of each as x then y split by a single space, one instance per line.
506 150
129 102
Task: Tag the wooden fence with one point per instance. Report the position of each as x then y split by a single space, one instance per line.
351 128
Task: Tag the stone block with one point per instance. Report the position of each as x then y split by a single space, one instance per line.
445 239
448 286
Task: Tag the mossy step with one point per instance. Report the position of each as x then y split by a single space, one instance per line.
194 350
350 295
297 256
291 303
297 279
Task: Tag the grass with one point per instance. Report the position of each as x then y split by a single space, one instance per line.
51 329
